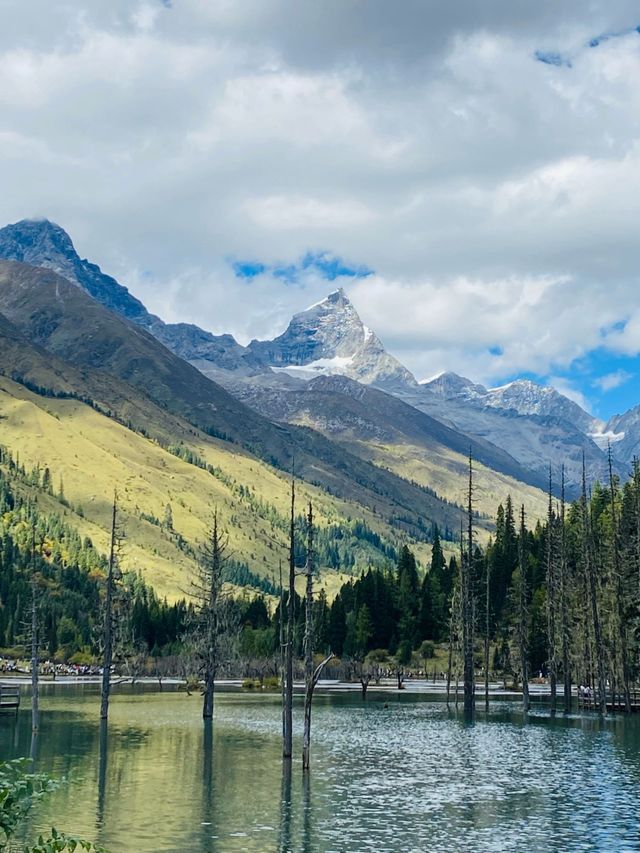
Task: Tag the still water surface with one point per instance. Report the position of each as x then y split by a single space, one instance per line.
399 773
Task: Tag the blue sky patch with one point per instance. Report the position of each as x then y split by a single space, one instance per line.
552 57
248 269
328 266
597 40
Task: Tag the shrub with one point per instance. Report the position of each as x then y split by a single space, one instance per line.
427 650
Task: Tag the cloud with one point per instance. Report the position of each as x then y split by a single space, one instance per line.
612 380
495 196
565 387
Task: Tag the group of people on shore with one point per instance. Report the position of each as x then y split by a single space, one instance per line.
48 668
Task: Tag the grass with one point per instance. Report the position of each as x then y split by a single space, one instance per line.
94 455
447 471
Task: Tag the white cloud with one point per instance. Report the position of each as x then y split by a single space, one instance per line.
496 197
565 387
613 380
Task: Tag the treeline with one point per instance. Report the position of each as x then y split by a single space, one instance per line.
559 599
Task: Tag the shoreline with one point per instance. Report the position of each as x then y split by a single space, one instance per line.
410 686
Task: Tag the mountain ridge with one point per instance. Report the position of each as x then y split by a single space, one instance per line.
537 425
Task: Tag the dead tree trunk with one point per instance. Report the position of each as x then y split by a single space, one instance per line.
211 583
622 629
282 649
108 617
487 628
551 602
287 747
308 644
455 619
450 660
523 616
593 595
564 608
35 657
468 608
364 684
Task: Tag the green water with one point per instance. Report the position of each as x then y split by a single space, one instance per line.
410 776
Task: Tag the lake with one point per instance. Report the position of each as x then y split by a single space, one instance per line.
397 773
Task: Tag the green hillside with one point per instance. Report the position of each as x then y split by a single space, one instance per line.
89 455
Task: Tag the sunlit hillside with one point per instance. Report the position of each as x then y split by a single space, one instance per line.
90 455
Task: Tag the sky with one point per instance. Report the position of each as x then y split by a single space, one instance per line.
468 172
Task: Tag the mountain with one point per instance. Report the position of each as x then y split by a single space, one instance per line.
42 243
537 426
330 338
54 315
383 429
622 432
521 396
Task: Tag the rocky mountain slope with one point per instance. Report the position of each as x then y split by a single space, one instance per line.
535 426
114 361
330 338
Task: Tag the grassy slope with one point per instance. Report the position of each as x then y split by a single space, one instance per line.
94 454
124 361
446 472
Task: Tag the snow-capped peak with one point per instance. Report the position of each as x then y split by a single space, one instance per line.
329 337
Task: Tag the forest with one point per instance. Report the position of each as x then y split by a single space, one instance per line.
558 599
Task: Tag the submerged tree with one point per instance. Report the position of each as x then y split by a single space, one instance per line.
287 745
108 627
312 674
552 595
589 570
468 606
523 614
216 616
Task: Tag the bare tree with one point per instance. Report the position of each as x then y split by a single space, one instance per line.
287 746
523 614
311 675
282 649
619 596
107 636
216 616
35 657
455 618
564 602
467 589
551 599
587 555
487 628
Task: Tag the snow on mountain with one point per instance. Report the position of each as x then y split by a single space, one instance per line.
529 398
537 425
521 397
330 338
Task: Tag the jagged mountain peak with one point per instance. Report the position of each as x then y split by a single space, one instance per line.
39 242
330 338
450 385
530 398
45 244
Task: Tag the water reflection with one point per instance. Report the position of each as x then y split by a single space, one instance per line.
307 814
208 793
286 806
102 773
394 774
